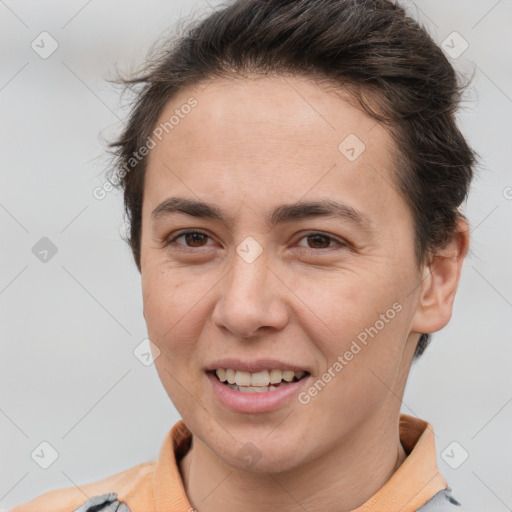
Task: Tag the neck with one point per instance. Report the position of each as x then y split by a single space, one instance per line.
322 484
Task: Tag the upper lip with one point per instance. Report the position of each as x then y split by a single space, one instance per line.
255 365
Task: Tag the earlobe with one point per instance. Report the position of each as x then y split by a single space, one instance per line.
439 283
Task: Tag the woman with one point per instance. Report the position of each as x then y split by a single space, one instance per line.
292 176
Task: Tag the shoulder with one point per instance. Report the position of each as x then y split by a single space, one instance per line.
110 492
443 501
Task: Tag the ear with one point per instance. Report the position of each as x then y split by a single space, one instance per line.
439 282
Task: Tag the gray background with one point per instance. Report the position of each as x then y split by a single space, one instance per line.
69 326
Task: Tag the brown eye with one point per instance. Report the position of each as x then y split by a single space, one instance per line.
192 239
195 239
321 241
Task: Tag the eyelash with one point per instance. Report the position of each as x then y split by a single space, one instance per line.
341 243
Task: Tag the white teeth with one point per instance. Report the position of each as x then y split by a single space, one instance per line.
252 389
276 376
256 382
231 376
243 378
260 379
221 373
288 375
249 389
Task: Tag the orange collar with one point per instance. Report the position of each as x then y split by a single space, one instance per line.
418 478
416 481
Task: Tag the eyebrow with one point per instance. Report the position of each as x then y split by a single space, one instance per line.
280 215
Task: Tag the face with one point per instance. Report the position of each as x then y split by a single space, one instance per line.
264 279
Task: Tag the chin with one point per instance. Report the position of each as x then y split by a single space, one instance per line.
262 457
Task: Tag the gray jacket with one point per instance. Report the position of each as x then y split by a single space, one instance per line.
443 501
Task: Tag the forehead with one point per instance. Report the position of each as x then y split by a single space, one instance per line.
264 138
262 111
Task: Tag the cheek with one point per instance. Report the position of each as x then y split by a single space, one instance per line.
362 365
360 321
343 306
171 307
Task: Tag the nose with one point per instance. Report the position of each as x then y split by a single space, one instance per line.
252 298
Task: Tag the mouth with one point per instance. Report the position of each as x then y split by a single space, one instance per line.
265 381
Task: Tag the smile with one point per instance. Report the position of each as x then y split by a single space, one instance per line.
258 382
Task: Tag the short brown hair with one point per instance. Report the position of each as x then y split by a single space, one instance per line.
371 48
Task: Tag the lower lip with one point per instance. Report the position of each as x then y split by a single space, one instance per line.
265 401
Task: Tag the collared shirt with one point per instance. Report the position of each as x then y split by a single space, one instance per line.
158 486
